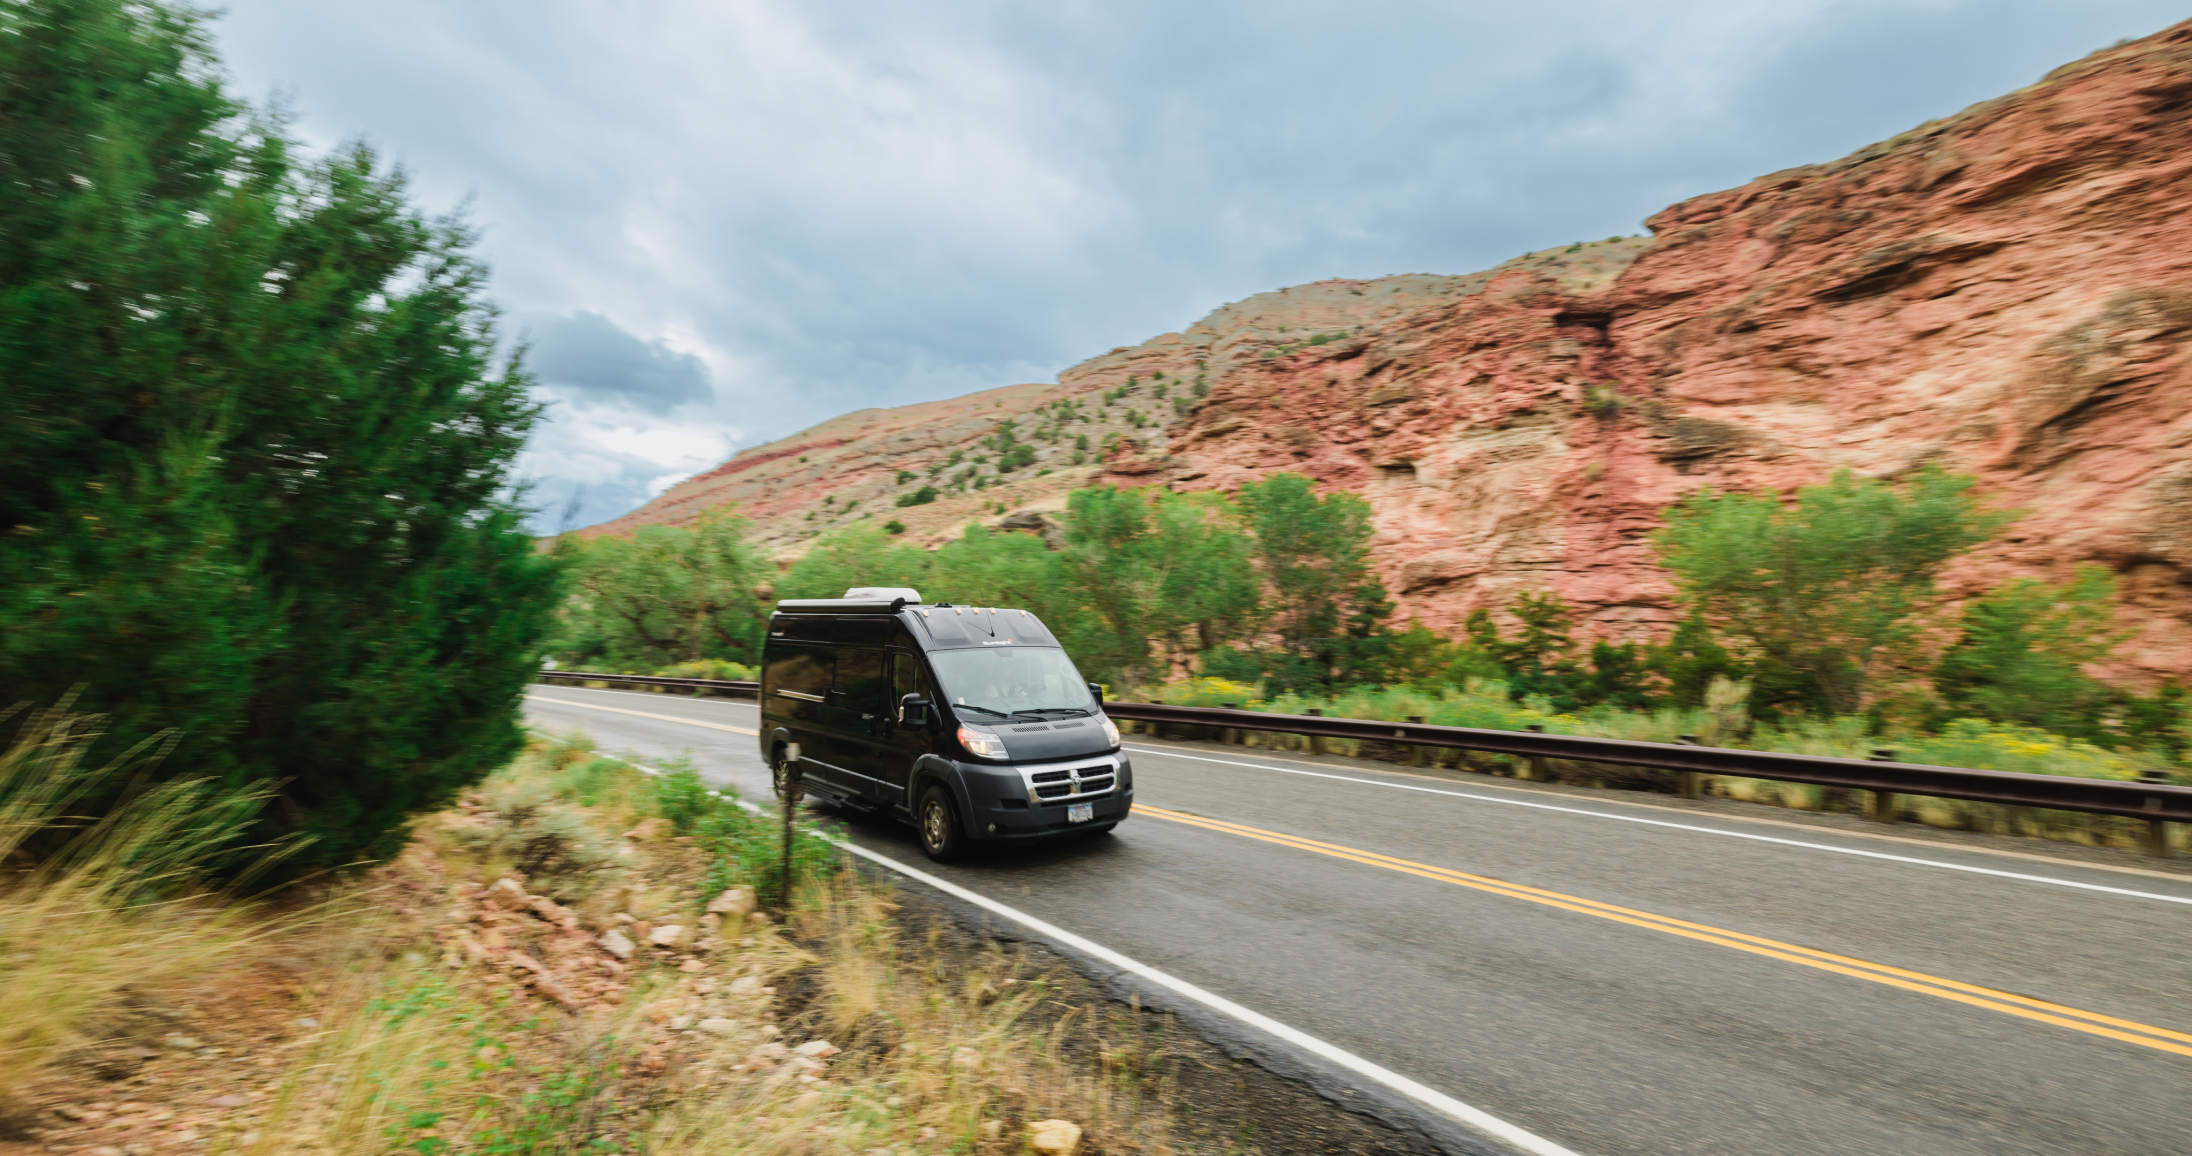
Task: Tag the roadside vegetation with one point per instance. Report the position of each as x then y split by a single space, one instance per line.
576 957
1812 622
255 442
270 879
1143 586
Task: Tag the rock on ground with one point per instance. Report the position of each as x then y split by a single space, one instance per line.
1054 1137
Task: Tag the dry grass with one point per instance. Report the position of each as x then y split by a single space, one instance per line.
945 1049
463 999
109 905
941 1044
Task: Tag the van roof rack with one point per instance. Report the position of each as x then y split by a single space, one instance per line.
840 606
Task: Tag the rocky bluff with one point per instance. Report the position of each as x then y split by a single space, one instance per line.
2007 291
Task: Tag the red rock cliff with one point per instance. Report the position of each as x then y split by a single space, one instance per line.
2007 291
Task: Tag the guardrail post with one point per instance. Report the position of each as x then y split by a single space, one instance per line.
1882 808
1415 753
1539 772
794 790
1316 742
1231 736
1686 782
2157 830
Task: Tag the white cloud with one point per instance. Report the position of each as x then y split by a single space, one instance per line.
656 487
665 445
833 206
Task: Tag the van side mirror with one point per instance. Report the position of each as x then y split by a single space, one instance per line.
1096 691
912 703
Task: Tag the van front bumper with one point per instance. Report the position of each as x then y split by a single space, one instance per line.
1003 806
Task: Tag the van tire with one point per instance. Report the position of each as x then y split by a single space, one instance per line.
937 822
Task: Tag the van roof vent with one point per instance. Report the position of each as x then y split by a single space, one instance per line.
884 594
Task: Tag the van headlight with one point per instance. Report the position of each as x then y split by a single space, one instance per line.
1111 729
981 743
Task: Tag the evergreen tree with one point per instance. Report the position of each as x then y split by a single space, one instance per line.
2022 646
1539 663
254 461
1424 657
1690 659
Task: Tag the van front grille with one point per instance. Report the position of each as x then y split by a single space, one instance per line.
1058 786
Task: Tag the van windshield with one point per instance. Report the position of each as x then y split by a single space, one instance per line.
1004 681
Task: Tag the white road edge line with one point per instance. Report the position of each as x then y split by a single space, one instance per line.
693 722
1474 1117
2018 875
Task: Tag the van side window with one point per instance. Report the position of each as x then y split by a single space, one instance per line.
867 631
800 672
859 681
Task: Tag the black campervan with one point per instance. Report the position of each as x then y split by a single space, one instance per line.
968 721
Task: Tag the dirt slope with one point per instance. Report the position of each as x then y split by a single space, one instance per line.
2007 291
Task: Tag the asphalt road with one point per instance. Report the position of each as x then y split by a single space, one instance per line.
1680 986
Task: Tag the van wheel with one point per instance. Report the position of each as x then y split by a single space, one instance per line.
941 838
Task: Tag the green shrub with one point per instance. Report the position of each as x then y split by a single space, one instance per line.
665 594
256 441
920 497
1602 401
587 782
1831 586
2021 650
548 843
1207 691
681 797
1974 743
715 668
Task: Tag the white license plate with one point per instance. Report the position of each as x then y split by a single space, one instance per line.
1080 812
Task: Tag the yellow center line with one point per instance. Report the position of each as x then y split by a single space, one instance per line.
2008 1003
1528 892
642 714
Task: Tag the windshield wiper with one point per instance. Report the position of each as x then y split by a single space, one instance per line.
1037 711
983 709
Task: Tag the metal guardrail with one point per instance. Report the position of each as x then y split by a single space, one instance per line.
726 687
2157 803
2139 800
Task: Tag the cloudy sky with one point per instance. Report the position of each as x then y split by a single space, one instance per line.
721 221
